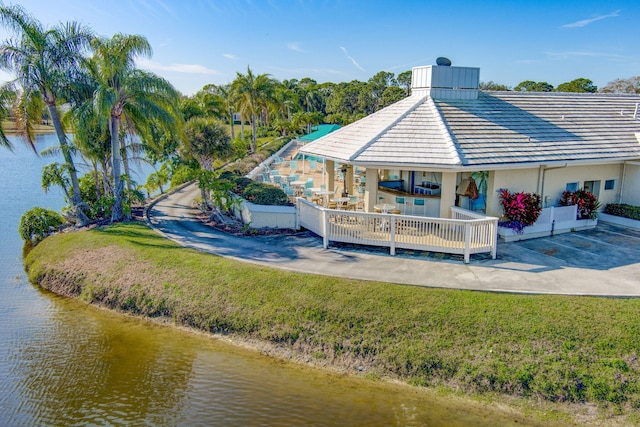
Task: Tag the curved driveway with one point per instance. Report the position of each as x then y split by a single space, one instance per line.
602 261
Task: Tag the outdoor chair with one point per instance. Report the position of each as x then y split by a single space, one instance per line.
400 201
418 204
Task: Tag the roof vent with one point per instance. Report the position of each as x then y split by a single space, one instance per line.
443 62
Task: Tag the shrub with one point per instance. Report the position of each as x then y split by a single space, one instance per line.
182 174
38 223
623 210
262 194
587 203
521 209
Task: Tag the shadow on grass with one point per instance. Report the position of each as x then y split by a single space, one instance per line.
139 234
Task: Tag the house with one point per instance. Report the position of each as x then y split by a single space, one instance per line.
432 144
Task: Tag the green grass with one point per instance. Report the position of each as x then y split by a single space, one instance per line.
556 349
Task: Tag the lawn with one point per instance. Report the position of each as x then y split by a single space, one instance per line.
578 352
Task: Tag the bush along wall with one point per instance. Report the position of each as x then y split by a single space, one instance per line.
623 210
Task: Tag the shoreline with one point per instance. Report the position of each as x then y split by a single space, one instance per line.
95 266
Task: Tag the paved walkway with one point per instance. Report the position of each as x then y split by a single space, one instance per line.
603 261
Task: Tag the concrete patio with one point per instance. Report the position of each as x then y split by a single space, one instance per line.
604 261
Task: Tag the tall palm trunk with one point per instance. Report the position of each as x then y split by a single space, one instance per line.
76 199
125 163
116 211
254 143
233 131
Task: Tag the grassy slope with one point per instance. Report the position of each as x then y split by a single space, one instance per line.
546 348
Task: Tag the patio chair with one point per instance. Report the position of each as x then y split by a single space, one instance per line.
308 194
312 165
309 183
293 165
401 202
277 179
418 203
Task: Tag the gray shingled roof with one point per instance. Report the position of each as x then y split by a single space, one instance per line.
498 128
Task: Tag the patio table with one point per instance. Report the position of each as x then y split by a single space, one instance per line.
385 207
340 201
325 194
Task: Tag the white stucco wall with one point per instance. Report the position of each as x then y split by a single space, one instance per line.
556 179
631 190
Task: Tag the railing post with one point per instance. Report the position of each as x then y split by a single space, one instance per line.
494 244
467 242
392 235
325 227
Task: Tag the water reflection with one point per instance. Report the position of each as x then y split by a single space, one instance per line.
87 365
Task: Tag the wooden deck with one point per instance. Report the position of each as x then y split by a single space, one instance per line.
466 234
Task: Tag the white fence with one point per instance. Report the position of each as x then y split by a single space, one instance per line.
466 234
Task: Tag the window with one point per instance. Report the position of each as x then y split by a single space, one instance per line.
572 186
610 184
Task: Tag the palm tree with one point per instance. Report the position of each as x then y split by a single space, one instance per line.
44 62
206 139
253 92
124 91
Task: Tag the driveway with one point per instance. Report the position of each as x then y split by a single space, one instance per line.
604 261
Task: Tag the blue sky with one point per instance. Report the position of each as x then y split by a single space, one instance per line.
196 42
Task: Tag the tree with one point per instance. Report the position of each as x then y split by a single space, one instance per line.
578 85
491 85
124 91
404 81
206 140
253 92
44 62
391 95
378 84
630 85
531 86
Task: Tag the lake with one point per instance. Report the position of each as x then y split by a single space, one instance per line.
63 362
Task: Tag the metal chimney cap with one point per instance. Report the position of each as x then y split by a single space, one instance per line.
444 62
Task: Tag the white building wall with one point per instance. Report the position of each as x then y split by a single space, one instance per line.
555 182
630 192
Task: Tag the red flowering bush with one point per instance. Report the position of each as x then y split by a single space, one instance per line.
587 202
521 209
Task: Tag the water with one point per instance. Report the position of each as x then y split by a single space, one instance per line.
65 363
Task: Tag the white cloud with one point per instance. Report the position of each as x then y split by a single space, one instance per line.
352 59
178 68
295 46
585 22
229 56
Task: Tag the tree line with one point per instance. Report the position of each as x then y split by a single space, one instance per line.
88 85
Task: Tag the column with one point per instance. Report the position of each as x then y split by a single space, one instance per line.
370 189
448 194
331 175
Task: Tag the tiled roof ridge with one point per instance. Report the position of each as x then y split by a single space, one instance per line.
447 133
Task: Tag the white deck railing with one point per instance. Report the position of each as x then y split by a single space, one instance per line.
468 233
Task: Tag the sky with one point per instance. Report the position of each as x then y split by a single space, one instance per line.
199 42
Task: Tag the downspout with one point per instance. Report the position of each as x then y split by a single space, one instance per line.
624 173
544 171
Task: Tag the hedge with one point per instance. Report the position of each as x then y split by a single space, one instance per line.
623 210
